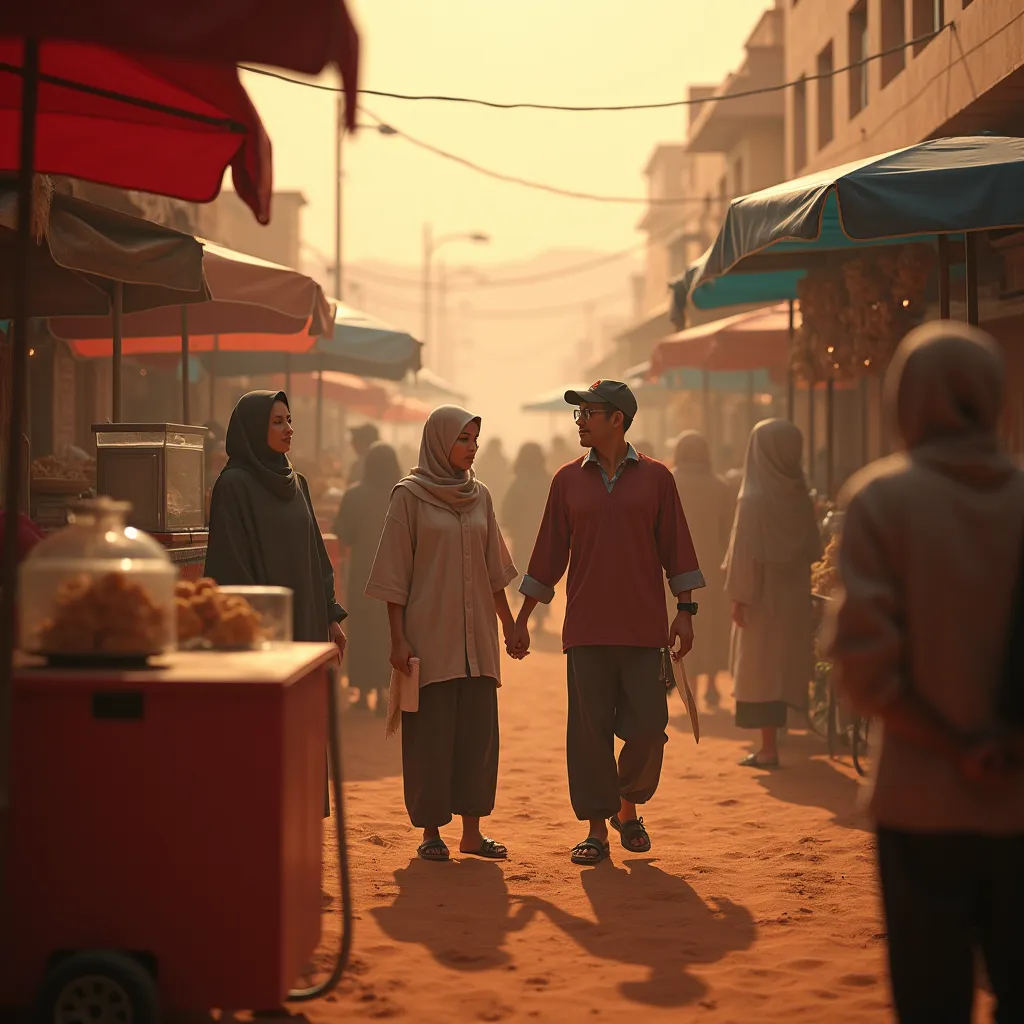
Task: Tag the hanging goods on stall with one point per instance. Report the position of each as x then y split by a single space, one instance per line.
168 122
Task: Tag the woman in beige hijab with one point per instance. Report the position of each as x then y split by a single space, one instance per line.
442 567
709 505
930 556
774 543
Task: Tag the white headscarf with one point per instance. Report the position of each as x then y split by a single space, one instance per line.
434 479
774 494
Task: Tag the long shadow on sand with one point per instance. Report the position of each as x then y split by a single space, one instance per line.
655 920
461 912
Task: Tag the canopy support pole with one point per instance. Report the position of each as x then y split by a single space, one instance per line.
288 374
319 435
19 404
830 432
213 378
812 448
117 316
790 382
971 254
943 277
186 391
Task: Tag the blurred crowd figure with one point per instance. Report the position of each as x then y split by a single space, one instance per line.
362 437
523 508
358 526
492 468
775 541
708 504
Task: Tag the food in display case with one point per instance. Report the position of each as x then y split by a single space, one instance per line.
52 467
210 617
97 590
825 574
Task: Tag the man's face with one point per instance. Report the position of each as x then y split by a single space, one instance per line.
598 423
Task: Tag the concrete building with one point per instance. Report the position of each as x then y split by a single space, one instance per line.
968 79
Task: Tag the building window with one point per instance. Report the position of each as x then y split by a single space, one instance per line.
826 100
928 17
894 38
800 124
857 27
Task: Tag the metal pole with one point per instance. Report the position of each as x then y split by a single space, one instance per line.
944 277
19 398
790 382
428 255
830 433
288 374
213 377
186 392
440 357
971 254
339 128
117 341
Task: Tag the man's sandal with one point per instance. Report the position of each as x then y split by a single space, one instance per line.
489 849
630 830
433 849
590 851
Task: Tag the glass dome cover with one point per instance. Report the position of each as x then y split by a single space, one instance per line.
97 590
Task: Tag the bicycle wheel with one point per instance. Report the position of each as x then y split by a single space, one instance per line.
817 706
859 743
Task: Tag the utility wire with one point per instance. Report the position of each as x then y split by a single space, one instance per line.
692 101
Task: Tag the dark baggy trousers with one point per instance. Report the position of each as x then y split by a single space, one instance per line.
614 691
946 897
450 751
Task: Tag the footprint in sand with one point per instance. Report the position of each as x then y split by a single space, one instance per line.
859 980
728 803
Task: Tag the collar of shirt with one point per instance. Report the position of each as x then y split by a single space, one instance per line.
609 482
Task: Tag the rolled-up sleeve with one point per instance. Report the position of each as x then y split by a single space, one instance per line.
391 576
550 556
501 570
675 545
863 636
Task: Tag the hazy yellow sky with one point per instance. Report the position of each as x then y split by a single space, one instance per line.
560 51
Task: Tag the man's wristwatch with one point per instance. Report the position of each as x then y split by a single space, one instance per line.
687 606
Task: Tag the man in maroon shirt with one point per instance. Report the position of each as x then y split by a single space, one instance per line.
615 520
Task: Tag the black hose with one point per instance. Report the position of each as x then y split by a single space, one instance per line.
305 995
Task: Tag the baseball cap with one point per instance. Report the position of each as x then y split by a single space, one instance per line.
613 392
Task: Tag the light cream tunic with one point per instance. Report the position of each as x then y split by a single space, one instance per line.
444 567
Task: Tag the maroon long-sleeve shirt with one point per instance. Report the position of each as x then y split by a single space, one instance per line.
619 539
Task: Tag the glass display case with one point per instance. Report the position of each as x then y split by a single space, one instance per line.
159 468
213 618
97 591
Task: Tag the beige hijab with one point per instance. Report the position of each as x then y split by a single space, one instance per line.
944 393
434 480
774 494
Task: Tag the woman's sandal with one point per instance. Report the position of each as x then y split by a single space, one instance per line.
756 761
433 849
629 830
581 852
489 849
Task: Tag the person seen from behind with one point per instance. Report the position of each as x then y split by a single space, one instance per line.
362 437
774 543
524 502
613 518
929 561
442 568
358 526
709 506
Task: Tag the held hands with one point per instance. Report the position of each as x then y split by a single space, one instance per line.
338 638
682 630
517 640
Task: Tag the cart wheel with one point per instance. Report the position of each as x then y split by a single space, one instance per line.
97 987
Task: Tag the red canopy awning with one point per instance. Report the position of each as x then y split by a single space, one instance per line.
406 410
748 341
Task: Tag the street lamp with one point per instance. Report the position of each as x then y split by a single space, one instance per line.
430 248
381 129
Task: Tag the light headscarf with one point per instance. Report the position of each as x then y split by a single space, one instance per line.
434 479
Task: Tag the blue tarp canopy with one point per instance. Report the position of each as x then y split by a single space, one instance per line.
360 345
939 187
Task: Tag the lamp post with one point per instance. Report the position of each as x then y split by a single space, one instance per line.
339 168
430 248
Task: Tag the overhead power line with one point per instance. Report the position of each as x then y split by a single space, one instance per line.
691 101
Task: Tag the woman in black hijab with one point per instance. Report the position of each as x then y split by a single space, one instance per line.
262 528
358 526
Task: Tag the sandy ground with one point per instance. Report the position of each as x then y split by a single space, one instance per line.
757 902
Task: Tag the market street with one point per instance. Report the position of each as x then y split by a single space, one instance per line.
758 902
